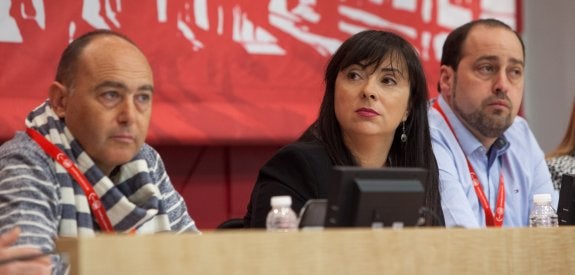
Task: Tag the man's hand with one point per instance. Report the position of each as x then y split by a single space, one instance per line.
21 260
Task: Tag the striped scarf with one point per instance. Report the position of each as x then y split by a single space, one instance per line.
132 201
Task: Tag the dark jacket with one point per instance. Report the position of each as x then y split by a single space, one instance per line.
301 170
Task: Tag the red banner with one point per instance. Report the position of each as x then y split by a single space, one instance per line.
226 71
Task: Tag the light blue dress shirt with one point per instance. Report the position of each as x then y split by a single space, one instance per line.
516 154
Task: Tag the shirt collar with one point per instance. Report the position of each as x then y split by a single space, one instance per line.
498 148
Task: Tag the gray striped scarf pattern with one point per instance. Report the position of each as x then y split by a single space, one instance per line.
133 201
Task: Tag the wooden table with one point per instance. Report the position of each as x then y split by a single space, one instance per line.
336 251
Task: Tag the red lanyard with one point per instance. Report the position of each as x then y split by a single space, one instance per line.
490 220
98 209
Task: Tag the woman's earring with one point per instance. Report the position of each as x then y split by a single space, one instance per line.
403 134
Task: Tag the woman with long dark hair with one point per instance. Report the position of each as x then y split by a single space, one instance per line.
373 114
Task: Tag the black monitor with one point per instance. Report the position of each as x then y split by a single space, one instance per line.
566 206
375 197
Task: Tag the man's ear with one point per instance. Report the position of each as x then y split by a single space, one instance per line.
446 77
58 95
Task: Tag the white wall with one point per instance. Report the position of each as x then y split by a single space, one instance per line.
549 36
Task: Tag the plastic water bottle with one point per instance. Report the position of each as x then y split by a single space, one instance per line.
542 214
281 218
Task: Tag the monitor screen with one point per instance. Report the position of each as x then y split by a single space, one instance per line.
375 197
566 206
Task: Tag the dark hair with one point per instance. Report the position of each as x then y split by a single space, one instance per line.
453 45
69 60
451 55
371 48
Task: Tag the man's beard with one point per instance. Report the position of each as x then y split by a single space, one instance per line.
489 124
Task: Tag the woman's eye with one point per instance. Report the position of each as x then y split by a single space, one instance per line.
353 75
389 81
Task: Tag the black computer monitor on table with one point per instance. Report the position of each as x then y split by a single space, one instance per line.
375 197
566 207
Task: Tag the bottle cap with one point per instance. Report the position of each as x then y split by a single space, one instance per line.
277 201
541 198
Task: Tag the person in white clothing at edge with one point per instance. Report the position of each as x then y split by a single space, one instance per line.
490 164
